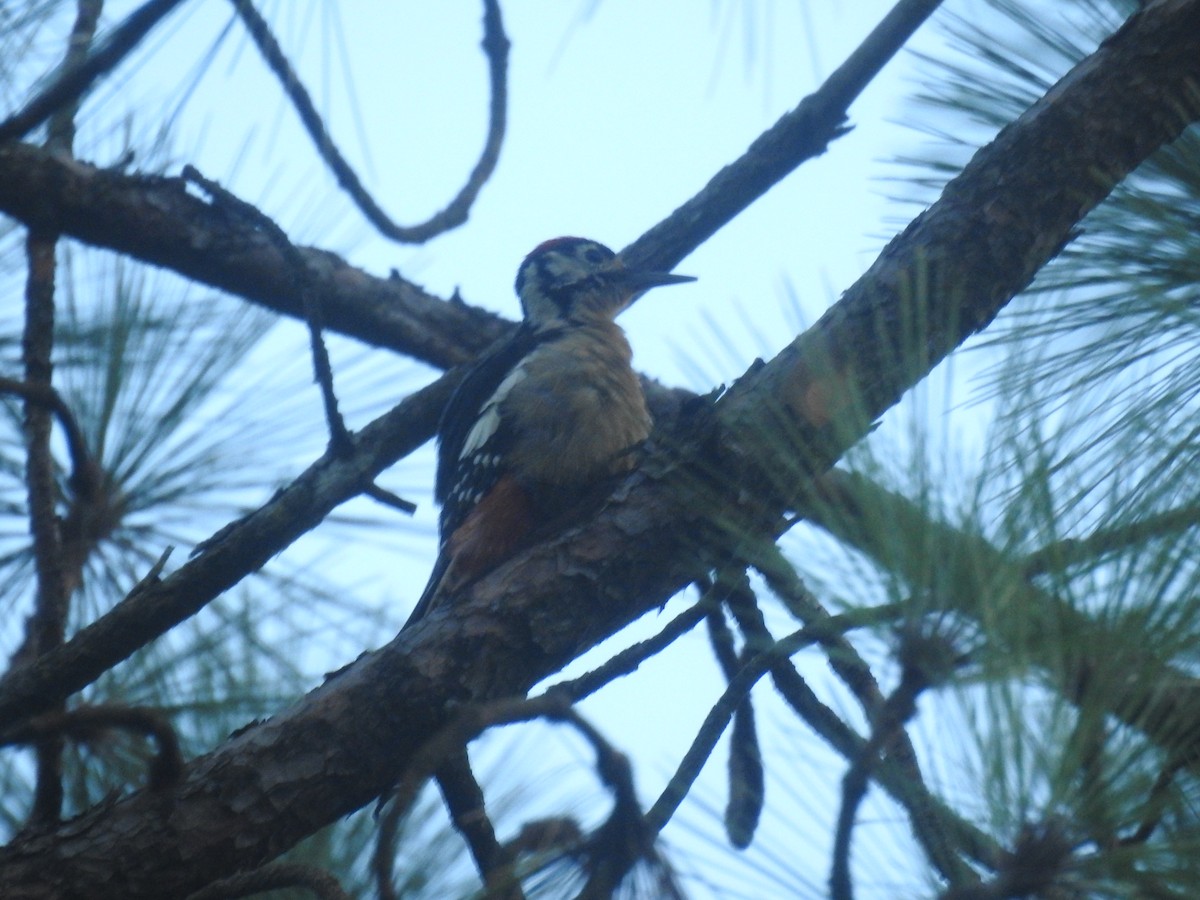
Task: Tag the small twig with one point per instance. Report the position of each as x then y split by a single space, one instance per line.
937 829
468 724
747 779
555 834
720 639
613 849
845 660
857 676
625 838
495 46
387 498
152 577
85 474
383 857
73 80
628 660
87 723
339 436
274 876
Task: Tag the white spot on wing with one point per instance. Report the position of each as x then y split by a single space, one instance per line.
489 415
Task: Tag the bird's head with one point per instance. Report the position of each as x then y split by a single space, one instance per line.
576 280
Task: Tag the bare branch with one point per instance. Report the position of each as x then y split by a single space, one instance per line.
746 776
47 625
628 660
387 498
54 584
85 473
718 718
495 46
339 435
889 724
383 856
940 833
467 724
800 135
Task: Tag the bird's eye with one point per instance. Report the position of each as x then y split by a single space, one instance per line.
594 255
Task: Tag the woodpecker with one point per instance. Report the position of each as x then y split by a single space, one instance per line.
552 412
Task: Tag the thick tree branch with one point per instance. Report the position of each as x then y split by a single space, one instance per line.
156 220
1011 209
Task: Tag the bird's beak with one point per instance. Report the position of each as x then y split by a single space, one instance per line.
637 281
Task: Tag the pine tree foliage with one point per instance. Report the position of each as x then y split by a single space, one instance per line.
982 671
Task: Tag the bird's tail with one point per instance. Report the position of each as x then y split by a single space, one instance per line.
431 594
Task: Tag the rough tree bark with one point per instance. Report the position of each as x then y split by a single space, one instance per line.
1010 211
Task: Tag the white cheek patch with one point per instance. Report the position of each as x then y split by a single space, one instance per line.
489 415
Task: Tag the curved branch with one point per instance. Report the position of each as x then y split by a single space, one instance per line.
87 723
495 46
84 477
715 723
897 709
155 220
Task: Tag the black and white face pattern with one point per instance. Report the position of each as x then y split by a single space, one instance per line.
557 274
